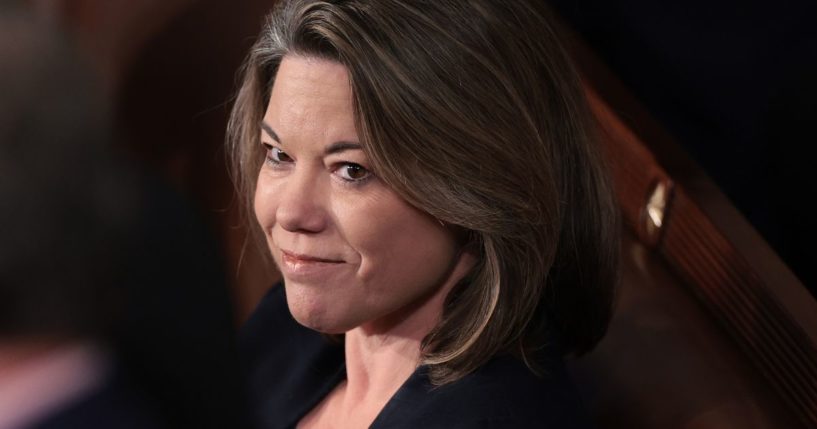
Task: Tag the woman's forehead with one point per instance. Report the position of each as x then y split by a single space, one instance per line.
313 77
311 98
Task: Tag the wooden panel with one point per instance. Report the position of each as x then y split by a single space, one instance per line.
665 363
743 287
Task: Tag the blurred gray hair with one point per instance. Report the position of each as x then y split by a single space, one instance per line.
62 194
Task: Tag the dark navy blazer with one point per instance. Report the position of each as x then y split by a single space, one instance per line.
290 369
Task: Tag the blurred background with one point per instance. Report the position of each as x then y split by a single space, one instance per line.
170 68
735 83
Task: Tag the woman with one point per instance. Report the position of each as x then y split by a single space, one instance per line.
424 176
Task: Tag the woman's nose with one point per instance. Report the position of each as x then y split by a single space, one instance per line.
302 207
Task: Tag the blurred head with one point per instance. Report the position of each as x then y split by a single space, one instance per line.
61 199
475 170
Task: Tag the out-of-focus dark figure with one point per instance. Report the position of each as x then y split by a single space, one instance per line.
736 84
65 207
113 307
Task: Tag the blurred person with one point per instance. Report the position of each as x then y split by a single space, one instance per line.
425 176
65 205
113 306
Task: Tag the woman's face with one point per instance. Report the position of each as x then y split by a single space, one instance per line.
351 251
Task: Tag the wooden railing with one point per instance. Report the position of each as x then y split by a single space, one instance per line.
676 210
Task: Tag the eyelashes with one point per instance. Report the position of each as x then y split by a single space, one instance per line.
350 173
276 156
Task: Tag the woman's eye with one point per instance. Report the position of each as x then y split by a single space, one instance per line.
276 155
353 172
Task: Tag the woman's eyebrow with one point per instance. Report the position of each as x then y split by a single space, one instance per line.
341 146
336 147
270 132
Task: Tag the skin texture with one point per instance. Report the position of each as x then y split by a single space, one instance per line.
356 258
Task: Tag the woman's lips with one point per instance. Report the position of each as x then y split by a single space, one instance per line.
299 267
307 258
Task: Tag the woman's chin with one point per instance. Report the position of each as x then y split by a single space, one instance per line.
320 311
319 320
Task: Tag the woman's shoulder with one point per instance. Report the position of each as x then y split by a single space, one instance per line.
290 367
286 365
504 393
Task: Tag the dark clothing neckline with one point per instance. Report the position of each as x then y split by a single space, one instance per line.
290 369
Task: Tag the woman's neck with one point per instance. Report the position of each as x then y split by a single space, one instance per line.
380 356
379 359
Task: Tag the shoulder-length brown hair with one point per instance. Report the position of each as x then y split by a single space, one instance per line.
472 112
